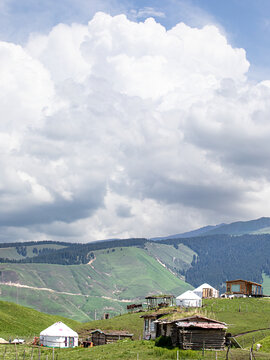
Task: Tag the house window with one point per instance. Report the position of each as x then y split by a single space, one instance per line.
65 341
152 326
235 287
146 324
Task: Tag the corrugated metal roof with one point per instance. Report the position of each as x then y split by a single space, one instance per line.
203 325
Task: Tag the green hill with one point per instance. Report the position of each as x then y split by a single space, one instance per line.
20 321
112 279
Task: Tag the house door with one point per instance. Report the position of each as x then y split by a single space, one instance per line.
70 341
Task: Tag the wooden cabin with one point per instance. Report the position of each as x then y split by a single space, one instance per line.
243 287
194 333
99 337
159 301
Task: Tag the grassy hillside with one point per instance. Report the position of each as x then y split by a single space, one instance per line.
16 320
177 258
114 278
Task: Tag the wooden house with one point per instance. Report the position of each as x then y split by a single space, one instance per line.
243 287
99 337
150 326
195 332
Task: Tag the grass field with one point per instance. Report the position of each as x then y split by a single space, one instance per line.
122 350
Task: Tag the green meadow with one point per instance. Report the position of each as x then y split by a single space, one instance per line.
243 316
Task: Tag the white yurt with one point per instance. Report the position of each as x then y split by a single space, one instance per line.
59 335
206 291
189 299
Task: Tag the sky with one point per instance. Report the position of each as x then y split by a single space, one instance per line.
124 118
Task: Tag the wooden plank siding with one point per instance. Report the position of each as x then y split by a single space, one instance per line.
197 339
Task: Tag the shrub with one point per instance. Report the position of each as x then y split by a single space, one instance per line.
164 341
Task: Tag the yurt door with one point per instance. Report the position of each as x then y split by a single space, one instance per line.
70 341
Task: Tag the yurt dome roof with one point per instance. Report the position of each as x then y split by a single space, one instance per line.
189 295
204 286
58 329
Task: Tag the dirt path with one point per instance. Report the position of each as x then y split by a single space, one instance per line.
250 331
91 262
60 292
41 289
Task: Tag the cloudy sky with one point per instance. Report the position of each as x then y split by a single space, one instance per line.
123 118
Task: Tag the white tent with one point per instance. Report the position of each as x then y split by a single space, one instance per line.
59 335
199 290
189 299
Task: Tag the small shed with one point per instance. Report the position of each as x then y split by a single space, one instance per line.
59 335
189 299
243 287
206 291
100 337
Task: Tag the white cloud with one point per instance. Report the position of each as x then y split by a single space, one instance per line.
146 12
123 129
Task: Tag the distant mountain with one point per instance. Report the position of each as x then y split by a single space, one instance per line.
188 234
258 226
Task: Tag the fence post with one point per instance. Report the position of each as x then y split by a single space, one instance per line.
16 351
38 353
5 352
53 353
32 353
203 348
24 354
177 355
227 354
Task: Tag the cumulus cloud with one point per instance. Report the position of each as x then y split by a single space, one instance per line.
119 128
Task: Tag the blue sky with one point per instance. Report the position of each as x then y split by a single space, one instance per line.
245 22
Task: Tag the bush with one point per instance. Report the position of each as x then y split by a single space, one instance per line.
164 341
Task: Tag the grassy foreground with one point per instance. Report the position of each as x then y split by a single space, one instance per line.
124 350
